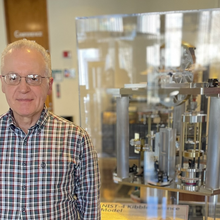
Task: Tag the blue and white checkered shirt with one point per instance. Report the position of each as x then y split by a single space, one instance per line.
50 173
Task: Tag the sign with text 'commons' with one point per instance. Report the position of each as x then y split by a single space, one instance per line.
27 19
18 34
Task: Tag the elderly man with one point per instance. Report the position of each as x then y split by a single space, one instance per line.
48 165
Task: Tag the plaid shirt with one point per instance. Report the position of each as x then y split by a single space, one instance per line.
50 173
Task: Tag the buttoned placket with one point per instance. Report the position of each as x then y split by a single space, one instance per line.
18 155
25 154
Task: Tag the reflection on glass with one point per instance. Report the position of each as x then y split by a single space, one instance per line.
203 40
152 207
85 56
153 55
166 65
149 24
173 39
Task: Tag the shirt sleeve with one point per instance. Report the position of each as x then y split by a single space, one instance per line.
87 179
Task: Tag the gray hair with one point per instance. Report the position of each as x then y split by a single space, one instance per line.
31 45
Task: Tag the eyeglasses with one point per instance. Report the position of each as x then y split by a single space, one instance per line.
32 79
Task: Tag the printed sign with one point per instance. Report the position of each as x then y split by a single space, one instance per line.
140 211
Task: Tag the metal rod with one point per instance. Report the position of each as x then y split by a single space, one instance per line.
200 142
182 143
200 136
195 136
149 132
122 128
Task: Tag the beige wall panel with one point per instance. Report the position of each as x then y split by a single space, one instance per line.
3 43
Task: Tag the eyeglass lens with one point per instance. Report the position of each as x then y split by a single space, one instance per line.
14 79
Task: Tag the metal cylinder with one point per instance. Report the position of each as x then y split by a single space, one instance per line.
213 152
177 113
122 128
148 166
167 153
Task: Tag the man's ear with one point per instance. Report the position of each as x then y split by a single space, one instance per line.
3 84
50 86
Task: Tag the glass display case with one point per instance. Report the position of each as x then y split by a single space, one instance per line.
149 98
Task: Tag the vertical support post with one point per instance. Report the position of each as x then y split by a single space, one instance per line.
182 141
122 129
178 126
213 156
213 151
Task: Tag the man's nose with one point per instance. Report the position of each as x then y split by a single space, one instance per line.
23 86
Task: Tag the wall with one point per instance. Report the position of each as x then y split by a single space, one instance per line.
3 43
62 36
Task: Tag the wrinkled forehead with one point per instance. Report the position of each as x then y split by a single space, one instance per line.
27 52
21 53
25 61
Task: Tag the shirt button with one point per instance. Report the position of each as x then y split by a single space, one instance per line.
43 164
23 210
24 164
23 187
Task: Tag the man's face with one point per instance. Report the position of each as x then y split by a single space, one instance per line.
23 99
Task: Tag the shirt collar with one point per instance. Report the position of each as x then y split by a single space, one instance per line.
11 118
43 117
